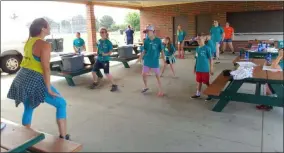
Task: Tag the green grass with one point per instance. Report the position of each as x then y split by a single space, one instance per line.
113 36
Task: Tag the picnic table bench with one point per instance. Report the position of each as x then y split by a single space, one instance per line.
16 138
260 77
190 45
115 57
50 143
56 68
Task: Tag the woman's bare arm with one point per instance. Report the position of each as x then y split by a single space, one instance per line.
45 62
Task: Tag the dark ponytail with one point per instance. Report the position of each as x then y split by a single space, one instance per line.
36 27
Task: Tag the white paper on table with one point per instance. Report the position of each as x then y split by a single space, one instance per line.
252 50
268 68
246 64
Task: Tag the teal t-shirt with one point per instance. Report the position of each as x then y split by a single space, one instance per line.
211 45
181 35
216 33
203 55
79 42
104 46
169 52
152 50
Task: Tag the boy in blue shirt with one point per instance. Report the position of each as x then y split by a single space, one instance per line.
203 66
217 36
79 43
151 56
104 50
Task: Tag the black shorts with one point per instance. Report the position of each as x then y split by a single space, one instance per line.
169 62
101 65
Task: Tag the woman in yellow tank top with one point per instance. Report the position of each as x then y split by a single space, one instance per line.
32 85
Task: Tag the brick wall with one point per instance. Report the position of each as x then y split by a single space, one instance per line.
91 29
162 17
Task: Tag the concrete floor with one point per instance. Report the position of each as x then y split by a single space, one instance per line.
130 121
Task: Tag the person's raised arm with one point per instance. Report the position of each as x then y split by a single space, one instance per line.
278 59
45 63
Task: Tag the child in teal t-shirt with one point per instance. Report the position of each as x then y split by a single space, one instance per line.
169 51
104 50
151 56
203 65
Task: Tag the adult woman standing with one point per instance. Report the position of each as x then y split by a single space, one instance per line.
180 39
32 85
217 36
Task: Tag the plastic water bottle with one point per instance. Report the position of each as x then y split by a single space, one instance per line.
269 59
79 51
247 55
259 47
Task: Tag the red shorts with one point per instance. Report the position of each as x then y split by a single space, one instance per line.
202 77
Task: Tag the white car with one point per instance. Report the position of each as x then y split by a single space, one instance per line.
11 56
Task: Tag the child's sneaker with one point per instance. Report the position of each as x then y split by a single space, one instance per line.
194 97
208 99
94 85
67 137
113 88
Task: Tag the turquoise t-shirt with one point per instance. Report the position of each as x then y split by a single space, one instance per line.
181 35
79 42
152 50
216 33
211 45
203 55
169 52
104 46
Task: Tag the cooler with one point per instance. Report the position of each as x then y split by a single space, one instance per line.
125 51
72 63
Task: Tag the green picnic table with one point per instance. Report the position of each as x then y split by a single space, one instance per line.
260 77
255 54
56 68
15 138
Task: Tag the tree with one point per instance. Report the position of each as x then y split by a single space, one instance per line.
114 27
106 21
79 23
133 19
97 24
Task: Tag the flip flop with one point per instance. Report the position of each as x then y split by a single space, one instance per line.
144 90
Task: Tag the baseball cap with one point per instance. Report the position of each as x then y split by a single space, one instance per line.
149 28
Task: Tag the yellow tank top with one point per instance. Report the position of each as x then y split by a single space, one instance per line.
29 61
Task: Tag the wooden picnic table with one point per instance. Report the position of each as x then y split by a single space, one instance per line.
57 70
15 138
260 77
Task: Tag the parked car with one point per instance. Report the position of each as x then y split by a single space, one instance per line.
11 56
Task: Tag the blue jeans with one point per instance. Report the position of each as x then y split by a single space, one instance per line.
58 102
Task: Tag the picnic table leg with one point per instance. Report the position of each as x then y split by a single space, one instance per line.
126 65
277 89
70 81
27 144
225 97
257 89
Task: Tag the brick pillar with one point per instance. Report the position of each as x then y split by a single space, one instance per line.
91 27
